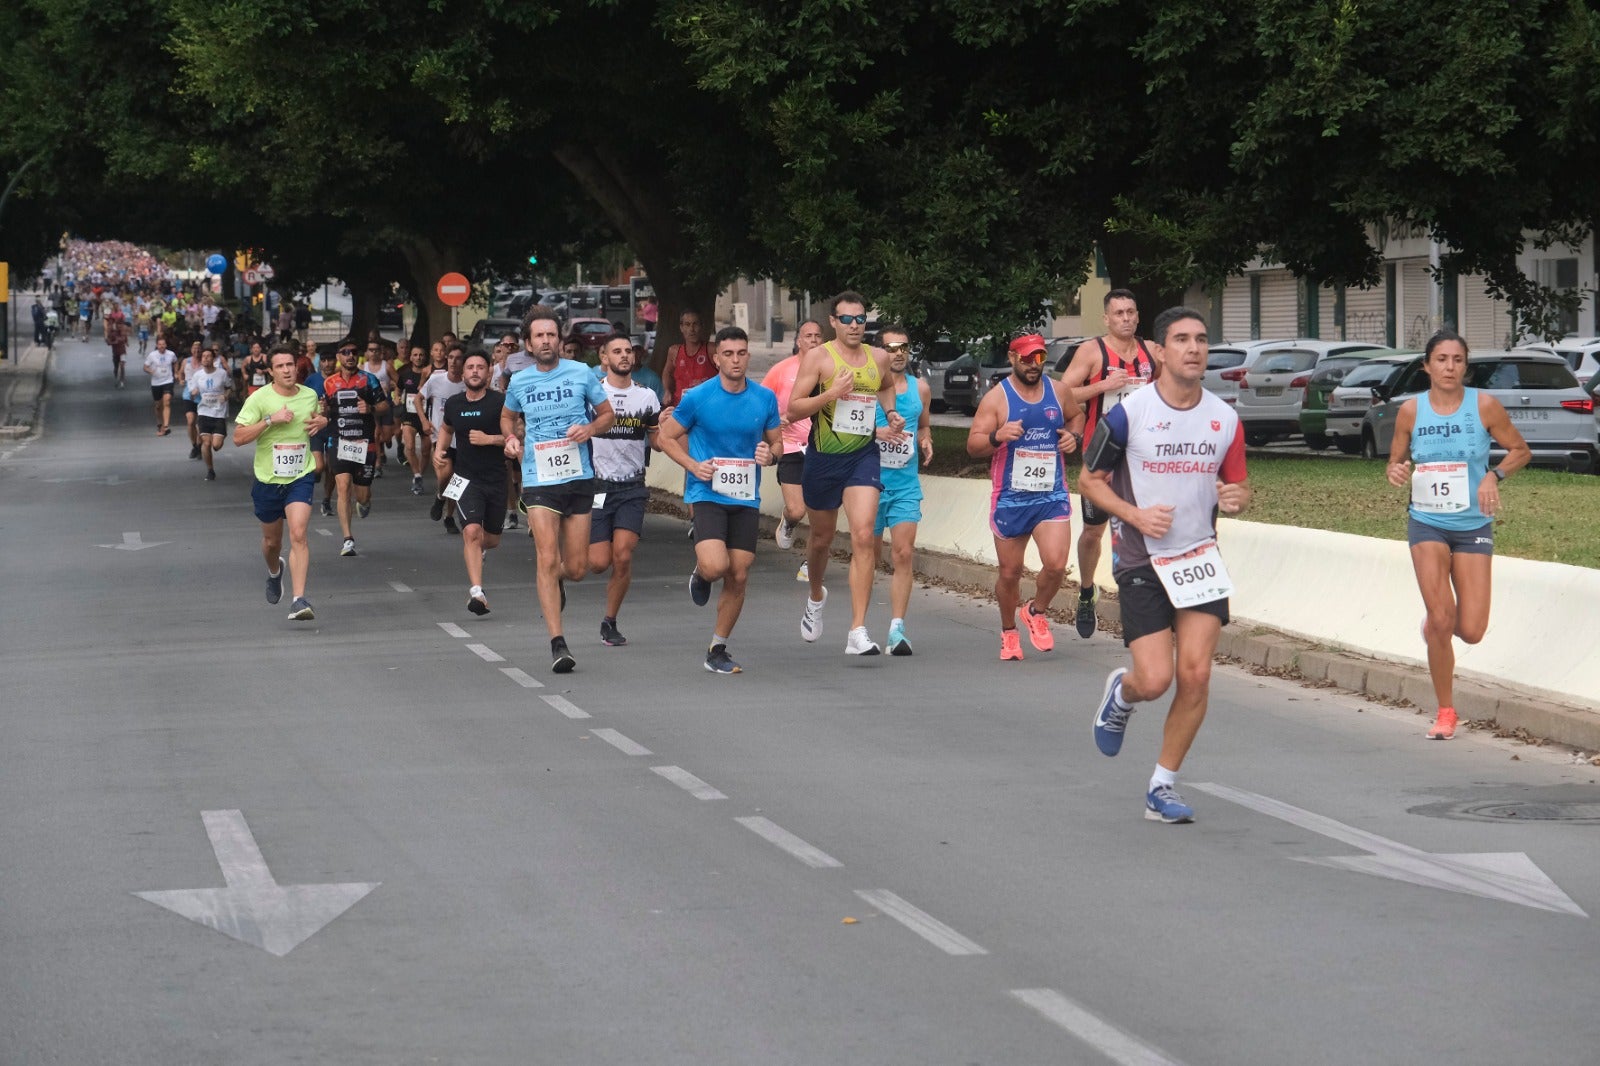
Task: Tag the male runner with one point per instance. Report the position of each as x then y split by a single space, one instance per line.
159 365
1104 372
280 420
322 443
407 385
470 440
187 367
562 406
1024 427
720 432
620 455
836 387
900 505
688 363
353 399
1162 464
116 326
379 368
780 379
438 388
210 386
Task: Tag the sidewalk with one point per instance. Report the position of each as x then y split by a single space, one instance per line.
22 383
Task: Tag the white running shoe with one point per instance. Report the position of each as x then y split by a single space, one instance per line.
860 642
811 621
804 573
785 533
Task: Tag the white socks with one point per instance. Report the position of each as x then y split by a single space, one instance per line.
1162 776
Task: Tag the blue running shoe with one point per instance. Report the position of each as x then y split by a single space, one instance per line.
1111 721
275 584
699 588
898 644
1163 804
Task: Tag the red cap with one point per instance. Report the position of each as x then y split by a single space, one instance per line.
1027 344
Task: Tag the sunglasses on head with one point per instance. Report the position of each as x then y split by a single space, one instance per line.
849 320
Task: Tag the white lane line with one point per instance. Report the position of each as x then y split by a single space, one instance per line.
773 833
565 706
1116 1045
325 532
621 743
688 782
920 922
454 630
486 653
520 677
399 587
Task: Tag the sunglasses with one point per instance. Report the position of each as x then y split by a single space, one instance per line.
897 346
849 320
1035 356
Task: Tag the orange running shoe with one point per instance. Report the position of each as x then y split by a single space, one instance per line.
1444 726
1010 645
1038 629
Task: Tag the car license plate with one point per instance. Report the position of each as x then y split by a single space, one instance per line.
1528 414
961 380
1269 390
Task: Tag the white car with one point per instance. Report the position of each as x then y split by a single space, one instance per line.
1273 385
1226 364
1581 353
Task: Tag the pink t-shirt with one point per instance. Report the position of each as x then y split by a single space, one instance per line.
780 379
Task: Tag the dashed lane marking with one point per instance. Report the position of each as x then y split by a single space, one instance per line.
399 586
486 653
1116 1045
688 782
773 833
920 922
565 706
620 742
520 677
454 630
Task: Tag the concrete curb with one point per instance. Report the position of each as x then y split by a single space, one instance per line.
1267 649
22 394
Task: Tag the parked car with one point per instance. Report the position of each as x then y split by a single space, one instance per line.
931 363
1272 382
1224 359
391 313
1328 375
589 332
486 333
971 377
1582 354
1539 392
1364 386
1058 354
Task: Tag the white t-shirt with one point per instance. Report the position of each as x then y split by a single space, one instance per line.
209 389
434 392
518 360
619 452
159 364
209 313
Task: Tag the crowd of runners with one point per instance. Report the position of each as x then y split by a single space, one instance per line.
525 433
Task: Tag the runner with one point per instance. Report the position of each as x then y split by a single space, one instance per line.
117 337
407 386
254 369
720 432
187 366
210 386
471 442
1447 431
1104 372
438 388
1162 464
1024 427
352 399
688 363
280 420
620 456
159 365
514 356
322 443
780 379
562 406
900 505
836 387
378 368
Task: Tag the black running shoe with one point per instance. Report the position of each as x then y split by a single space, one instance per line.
327 508
1085 616
450 524
511 520
718 661
477 605
363 509
561 661
436 511
610 635
699 588
194 452
211 475
275 584
301 610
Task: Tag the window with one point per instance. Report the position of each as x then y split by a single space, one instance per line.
1513 374
1224 358
1562 275
1373 375
1284 362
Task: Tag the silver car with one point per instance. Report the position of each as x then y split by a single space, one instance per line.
1545 402
1227 363
1272 386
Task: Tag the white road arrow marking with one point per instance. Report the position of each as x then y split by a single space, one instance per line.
132 543
1509 876
254 908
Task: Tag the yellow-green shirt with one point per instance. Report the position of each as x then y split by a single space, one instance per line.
824 437
278 445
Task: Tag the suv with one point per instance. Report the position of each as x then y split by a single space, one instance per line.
1581 353
1273 382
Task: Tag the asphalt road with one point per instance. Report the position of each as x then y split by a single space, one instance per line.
823 860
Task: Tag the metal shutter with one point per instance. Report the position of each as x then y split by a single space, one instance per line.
1485 321
1364 315
1326 328
1280 306
1413 324
1236 310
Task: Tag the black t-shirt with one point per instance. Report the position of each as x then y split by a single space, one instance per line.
476 461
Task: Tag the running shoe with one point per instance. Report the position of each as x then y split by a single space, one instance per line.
327 508
300 610
1038 629
379 471
194 451
804 573
785 533
416 486
450 524
1111 721
349 547
275 584
363 509
511 520
699 588
1444 726
811 621
610 635
860 642
898 644
1163 804
718 661
1010 646
561 660
436 510
211 475
477 605
1085 618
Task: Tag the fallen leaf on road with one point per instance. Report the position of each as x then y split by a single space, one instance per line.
849 921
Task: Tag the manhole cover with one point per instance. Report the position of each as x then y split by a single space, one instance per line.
1581 812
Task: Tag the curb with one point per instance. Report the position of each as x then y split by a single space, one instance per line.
23 398
1502 707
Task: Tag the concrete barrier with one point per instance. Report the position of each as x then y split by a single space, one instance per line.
1335 589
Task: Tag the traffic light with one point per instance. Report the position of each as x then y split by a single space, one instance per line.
533 259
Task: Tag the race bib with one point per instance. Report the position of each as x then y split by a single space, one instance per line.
855 413
411 403
1033 471
734 478
555 461
211 399
258 379
457 486
1196 577
1440 488
896 454
352 451
289 460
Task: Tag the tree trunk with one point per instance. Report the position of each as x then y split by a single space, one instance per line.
1121 253
365 297
426 262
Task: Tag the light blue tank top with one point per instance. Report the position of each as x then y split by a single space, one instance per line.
903 482
1453 438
